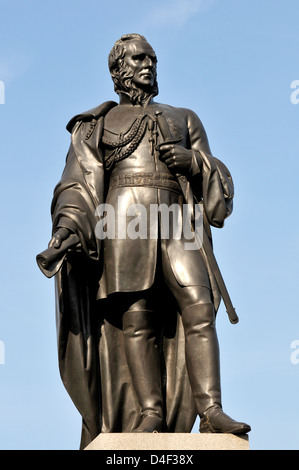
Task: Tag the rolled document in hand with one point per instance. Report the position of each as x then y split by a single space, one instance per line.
50 260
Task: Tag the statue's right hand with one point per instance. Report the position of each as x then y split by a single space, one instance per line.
59 236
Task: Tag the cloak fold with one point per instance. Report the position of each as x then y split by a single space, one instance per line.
92 358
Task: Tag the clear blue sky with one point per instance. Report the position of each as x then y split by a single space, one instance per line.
233 63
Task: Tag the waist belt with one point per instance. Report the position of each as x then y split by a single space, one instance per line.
149 180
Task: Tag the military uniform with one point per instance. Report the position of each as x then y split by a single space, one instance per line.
139 176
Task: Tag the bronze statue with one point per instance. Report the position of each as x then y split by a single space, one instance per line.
137 343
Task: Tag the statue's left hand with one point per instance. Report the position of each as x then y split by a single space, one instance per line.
177 158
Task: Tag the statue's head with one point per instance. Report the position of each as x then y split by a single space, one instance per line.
133 67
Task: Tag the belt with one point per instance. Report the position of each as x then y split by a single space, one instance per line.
149 180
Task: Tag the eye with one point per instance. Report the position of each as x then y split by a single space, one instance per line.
139 57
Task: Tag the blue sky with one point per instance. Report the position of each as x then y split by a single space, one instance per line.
233 63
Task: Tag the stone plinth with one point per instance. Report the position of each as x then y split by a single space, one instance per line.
166 442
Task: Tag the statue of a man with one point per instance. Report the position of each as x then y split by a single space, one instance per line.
138 348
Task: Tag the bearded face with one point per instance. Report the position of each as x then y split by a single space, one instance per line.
133 69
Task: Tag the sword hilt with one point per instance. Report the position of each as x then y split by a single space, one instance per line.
165 131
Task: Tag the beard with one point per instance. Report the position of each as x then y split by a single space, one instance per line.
123 83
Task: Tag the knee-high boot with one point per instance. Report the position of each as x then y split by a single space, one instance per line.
144 365
203 365
202 355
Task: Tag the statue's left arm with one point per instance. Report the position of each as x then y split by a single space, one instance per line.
209 177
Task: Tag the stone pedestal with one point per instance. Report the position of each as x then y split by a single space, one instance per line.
168 442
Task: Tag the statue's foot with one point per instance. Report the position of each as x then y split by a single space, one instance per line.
150 423
215 420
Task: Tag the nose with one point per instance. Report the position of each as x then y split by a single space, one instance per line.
148 63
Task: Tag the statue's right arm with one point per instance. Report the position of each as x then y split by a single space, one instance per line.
63 226
74 203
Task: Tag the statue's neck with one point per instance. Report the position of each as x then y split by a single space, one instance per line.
124 99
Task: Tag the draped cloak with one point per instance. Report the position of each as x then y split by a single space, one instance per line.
90 342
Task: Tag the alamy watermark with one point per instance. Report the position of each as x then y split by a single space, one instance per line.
133 221
2 352
295 94
2 92
295 354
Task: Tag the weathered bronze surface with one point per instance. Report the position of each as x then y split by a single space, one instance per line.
137 343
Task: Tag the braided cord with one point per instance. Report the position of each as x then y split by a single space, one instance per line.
120 154
127 138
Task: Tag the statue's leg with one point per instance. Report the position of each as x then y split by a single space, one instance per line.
144 365
202 359
202 354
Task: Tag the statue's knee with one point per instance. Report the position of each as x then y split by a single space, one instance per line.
198 315
137 323
193 295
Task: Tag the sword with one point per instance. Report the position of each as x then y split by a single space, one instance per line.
206 245
207 248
